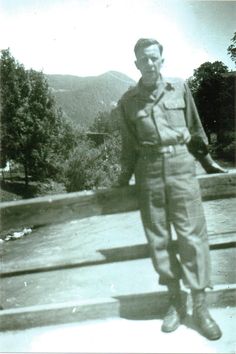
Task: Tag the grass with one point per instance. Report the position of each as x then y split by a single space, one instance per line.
15 189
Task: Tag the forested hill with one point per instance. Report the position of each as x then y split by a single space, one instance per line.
81 98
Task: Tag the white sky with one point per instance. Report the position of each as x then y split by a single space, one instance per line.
90 37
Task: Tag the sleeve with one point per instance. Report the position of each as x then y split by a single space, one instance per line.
128 149
198 145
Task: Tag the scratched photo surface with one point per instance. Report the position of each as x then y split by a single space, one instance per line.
83 222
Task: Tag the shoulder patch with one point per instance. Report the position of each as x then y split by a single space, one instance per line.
175 82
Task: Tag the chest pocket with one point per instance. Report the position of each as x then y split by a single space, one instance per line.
175 112
144 125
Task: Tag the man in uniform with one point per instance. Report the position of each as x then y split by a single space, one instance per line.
161 137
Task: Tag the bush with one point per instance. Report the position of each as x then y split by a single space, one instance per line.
90 167
109 163
226 149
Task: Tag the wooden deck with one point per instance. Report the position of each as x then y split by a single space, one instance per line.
87 256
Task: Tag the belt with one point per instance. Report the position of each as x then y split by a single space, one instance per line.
166 149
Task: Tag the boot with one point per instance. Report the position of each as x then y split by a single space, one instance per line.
201 316
175 311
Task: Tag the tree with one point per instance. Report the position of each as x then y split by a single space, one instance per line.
106 122
232 48
39 126
32 125
68 137
81 167
10 101
213 95
101 123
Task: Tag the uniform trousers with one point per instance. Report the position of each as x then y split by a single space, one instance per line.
169 197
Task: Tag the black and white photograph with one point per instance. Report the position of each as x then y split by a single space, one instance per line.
117 176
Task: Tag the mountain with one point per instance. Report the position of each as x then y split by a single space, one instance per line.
82 98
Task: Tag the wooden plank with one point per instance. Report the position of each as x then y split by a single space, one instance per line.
132 307
218 186
105 280
116 254
49 314
65 207
101 239
222 239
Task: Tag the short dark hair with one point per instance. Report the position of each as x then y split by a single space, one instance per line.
146 42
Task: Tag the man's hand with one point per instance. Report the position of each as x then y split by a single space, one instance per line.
185 137
210 166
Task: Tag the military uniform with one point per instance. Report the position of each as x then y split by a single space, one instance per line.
155 126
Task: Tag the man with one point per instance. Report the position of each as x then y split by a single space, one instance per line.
161 137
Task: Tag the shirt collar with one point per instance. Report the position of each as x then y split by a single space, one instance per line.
162 86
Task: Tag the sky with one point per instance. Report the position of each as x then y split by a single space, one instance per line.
90 37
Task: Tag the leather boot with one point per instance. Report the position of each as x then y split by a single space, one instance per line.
176 310
201 316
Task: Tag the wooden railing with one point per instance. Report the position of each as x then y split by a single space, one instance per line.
79 205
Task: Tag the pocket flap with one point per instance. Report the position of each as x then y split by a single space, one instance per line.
175 104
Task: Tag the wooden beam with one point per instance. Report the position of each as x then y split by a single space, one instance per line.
79 205
218 186
130 306
94 257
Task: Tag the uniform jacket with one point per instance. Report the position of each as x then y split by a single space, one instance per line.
158 117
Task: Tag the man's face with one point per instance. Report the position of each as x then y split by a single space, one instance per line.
149 62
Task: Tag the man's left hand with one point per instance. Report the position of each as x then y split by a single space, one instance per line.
211 166
215 168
